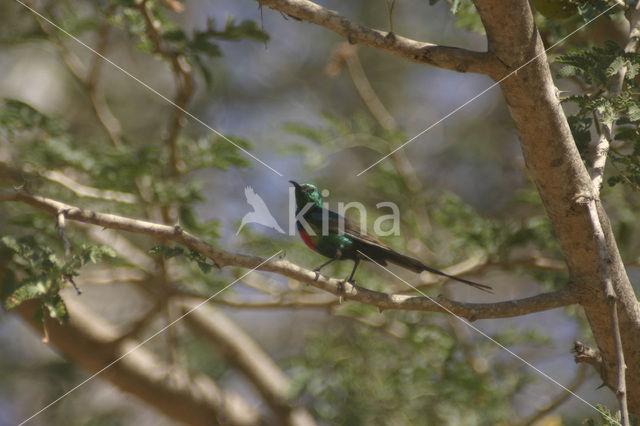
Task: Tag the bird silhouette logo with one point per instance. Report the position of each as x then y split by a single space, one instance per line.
260 214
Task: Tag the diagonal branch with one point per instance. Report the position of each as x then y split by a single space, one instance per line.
91 341
605 262
471 311
89 78
241 350
564 396
451 58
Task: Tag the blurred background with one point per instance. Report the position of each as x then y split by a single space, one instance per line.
294 99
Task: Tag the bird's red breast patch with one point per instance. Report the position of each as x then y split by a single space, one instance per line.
306 238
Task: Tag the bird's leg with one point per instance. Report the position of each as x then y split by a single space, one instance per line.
317 270
355 266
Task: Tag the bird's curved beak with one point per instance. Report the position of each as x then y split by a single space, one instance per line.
295 184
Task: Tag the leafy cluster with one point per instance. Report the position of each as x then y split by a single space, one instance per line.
596 67
353 374
36 147
199 47
35 272
169 252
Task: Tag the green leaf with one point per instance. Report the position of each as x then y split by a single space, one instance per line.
203 262
634 112
245 29
57 308
581 130
616 66
167 252
192 255
30 289
174 34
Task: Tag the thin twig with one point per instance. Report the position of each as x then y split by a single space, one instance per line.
81 190
89 79
605 276
185 87
563 397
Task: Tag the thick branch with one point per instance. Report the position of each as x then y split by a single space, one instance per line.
471 311
242 351
89 341
451 58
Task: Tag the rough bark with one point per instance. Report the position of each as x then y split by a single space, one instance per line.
563 182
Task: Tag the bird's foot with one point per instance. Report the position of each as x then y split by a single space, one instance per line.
317 275
342 283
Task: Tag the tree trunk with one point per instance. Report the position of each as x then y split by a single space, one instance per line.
562 180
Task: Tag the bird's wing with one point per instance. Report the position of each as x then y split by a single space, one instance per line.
352 230
256 201
376 250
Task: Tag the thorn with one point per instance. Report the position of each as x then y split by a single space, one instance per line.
70 279
601 386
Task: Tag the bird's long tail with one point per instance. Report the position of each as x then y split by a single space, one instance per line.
417 266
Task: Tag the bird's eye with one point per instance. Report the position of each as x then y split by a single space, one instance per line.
307 189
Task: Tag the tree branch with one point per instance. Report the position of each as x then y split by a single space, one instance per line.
89 341
89 78
185 86
242 351
587 355
471 311
581 376
452 58
605 274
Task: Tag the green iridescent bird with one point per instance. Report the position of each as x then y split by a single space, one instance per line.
351 242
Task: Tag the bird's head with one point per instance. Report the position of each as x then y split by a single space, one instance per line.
306 193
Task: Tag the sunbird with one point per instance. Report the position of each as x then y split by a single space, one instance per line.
350 242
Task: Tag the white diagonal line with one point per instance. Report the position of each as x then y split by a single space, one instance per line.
464 321
146 340
485 90
146 86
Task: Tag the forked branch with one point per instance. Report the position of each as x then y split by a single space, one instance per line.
451 58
